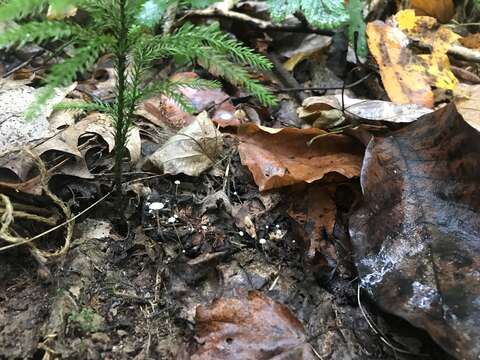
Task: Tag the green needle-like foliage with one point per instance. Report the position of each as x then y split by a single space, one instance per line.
118 27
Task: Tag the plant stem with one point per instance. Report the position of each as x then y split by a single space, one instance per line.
122 121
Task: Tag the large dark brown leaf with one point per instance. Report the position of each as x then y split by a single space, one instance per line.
417 238
250 327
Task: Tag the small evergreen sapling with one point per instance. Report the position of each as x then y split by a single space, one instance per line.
115 27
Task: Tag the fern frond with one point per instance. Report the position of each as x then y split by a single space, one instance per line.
17 9
170 88
37 32
219 65
64 73
198 84
82 106
225 44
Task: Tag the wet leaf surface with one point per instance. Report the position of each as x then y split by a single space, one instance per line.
416 238
249 327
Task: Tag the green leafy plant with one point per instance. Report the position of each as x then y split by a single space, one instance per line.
87 320
116 27
326 14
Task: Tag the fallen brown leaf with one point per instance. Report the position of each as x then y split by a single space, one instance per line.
469 104
281 157
416 238
249 327
163 111
313 209
471 41
442 10
191 151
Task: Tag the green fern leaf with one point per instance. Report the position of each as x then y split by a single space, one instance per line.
37 32
64 73
17 9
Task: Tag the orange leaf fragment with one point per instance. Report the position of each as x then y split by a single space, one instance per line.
442 10
249 327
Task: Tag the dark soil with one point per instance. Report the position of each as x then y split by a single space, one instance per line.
130 292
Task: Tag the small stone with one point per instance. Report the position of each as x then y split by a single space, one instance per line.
100 338
122 333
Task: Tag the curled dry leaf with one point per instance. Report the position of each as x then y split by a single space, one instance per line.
416 238
282 157
191 151
94 123
66 142
369 110
249 327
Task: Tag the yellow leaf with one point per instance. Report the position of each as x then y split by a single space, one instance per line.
406 19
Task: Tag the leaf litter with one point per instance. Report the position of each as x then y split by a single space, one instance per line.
222 260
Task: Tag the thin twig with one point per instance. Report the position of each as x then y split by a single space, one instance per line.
254 22
26 241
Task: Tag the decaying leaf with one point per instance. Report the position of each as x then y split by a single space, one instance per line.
408 77
371 110
471 41
436 65
163 111
15 98
309 46
249 327
94 123
403 85
416 238
281 157
469 104
313 209
191 151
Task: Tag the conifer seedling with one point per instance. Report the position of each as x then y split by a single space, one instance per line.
116 27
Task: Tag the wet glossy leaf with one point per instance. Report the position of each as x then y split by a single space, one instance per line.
249 327
416 238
